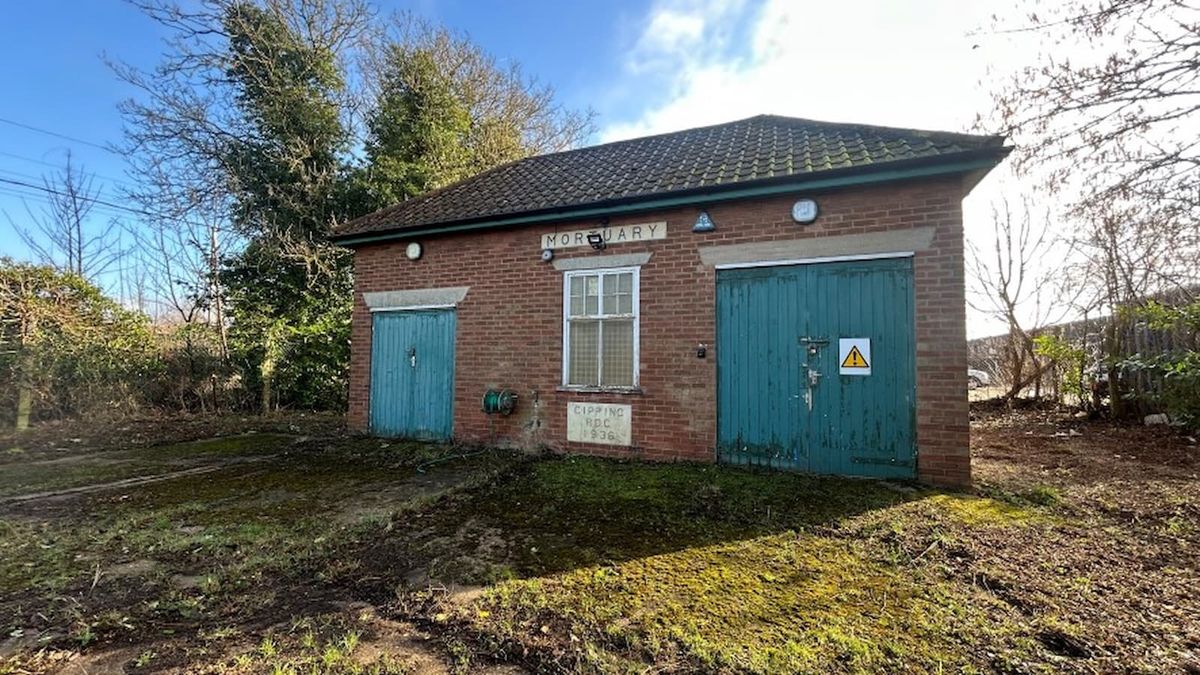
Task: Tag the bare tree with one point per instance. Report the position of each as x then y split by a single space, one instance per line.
1112 107
1106 120
183 240
1013 283
64 234
187 134
1120 259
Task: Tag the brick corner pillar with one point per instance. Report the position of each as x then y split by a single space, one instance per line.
943 416
358 403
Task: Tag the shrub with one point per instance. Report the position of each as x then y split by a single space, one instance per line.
1178 368
1069 365
65 348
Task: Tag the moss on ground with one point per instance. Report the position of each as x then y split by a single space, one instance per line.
237 532
623 564
560 514
985 511
106 467
787 602
593 565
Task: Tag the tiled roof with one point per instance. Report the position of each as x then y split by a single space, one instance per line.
747 152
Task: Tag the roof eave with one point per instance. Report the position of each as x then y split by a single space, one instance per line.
978 162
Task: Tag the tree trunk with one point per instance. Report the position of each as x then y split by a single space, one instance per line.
24 406
1113 352
266 372
1116 404
24 391
216 292
272 349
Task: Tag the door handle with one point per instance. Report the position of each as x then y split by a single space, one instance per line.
412 357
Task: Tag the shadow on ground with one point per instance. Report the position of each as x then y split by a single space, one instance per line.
349 554
309 526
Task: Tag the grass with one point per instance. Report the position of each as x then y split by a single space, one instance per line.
103 467
778 603
623 564
217 547
321 645
590 565
582 511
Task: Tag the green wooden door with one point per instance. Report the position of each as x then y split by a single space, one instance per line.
781 400
412 373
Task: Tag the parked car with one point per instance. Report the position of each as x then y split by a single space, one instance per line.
977 379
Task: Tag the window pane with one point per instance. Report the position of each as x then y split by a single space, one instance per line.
593 305
593 284
625 304
618 353
578 289
610 284
583 367
610 304
625 282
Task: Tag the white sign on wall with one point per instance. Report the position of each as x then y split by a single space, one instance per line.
854 356
616 234
603 423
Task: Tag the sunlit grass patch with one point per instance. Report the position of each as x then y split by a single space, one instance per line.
779 603
985 511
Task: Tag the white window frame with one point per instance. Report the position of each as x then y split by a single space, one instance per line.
637 327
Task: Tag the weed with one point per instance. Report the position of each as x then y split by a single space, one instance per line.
1043 495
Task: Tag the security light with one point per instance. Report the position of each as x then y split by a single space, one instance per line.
597 241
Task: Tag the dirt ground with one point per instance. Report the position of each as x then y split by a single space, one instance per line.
243 545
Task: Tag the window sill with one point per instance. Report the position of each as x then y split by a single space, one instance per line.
575 389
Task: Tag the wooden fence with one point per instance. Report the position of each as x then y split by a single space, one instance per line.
1136 340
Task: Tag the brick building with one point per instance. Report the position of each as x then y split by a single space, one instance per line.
769 291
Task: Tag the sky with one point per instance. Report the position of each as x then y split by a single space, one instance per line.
644 66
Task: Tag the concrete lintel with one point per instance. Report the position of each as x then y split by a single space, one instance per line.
419 297
890 241
597 262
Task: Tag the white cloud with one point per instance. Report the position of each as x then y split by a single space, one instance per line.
671 31
907 64
878 61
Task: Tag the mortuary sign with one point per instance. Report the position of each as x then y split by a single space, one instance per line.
603 423
614 234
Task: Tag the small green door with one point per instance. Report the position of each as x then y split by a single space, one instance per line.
781 401
412 373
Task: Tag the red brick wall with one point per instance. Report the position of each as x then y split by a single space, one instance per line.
510 324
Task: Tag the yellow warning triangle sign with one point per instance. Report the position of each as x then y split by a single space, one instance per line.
855 359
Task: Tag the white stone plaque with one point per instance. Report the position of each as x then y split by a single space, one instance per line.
602 423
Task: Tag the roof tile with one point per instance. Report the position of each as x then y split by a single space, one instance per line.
757 148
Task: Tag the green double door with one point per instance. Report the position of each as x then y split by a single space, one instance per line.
412 373
782 398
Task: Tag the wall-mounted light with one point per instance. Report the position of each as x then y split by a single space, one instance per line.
704 223
804 211
596 240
